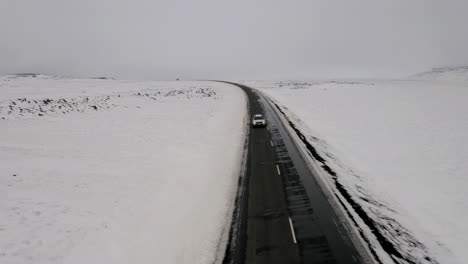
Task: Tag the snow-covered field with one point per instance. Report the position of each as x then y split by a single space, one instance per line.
400 149
106 171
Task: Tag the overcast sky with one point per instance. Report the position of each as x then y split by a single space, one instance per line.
238 39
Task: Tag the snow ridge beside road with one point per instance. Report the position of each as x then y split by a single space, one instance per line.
149 179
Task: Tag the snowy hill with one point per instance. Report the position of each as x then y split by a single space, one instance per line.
106 171
459 74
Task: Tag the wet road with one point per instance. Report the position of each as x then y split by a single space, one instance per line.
287 218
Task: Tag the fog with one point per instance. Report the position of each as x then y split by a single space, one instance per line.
215 39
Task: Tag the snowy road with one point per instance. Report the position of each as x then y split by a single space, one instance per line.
290 218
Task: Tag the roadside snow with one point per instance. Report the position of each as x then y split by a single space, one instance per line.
104 171
401 150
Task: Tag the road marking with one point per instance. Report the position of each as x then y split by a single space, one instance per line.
277 168
292 230
271 143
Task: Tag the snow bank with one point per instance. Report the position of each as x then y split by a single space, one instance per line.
400 148
104 171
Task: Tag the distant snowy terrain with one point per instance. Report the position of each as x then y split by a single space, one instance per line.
399 149
106 171
445 74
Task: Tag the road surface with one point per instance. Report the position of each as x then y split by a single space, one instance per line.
285 216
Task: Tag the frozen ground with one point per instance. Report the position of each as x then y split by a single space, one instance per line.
400 149
105 171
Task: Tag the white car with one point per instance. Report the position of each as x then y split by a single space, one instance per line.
258 121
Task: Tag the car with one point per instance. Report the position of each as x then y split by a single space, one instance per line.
258 121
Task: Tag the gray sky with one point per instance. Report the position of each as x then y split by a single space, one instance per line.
241 39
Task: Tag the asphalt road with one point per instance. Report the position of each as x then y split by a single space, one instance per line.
286 216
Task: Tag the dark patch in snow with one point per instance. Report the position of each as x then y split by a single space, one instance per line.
102 78
361 232
184 93
305 85
23 107
385 232
26 74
